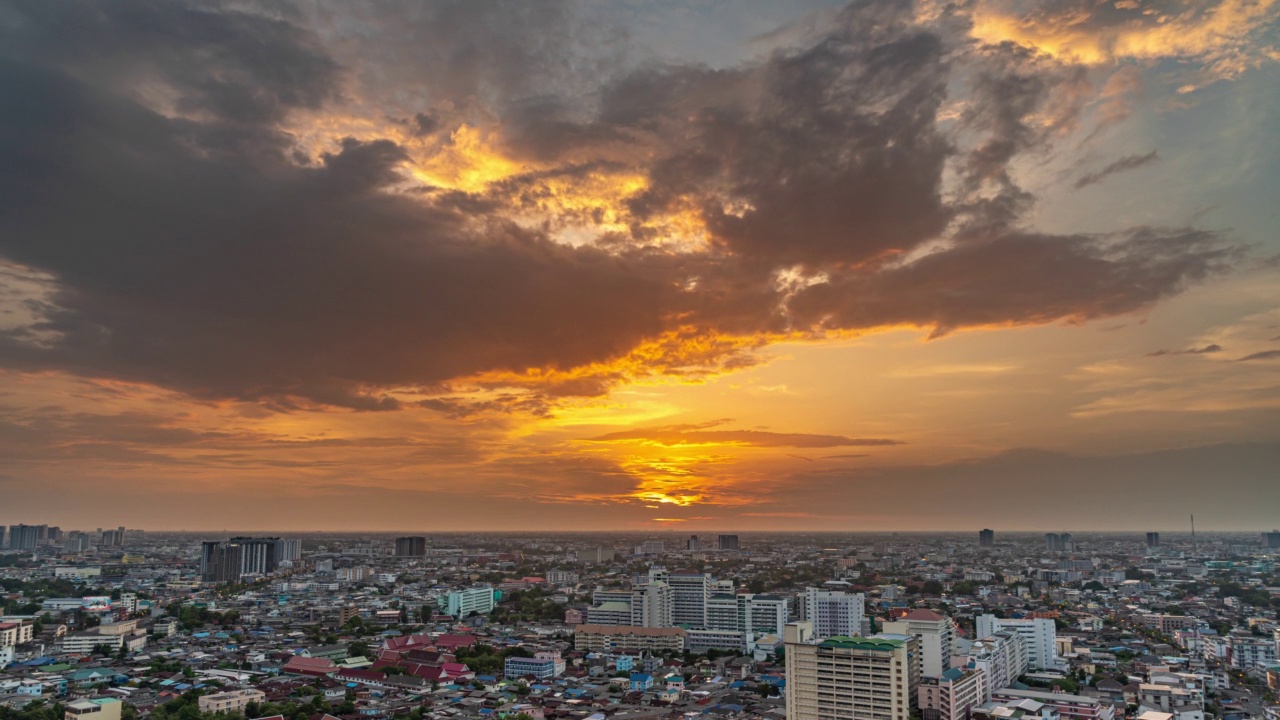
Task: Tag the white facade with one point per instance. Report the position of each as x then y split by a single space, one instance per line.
834 612
873 678
651 605
1001 657
462 603
689 591
1040 635
937 635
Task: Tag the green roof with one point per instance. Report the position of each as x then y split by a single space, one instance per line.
862 643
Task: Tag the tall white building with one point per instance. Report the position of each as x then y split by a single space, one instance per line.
850 678
1001 657
760 614
1040 634
937 635
651 605
689 591
461 603
834 612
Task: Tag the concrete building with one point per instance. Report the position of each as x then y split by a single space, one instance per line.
746 612
937 635
690 590
232 701
1153 540
231 560
1001 657
462 603
1068 707
415 546
834 612
602 638
651 605
952 695
1040 635
95 709
850 678
987 538
727 542
542 665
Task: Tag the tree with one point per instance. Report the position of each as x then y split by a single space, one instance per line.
932 587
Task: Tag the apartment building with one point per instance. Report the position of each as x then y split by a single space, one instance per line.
689 593
462 603
1001 657
232 701
1040 635
850 678
747 612
595 638
95 709
834 612
1068 707
937 635
542 665
952 695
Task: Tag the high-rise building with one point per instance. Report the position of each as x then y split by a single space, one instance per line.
1040 634
651 605
747 612
413 546
1058 542
952 695
692 543
1001 657
727 542
1153 539
987 538
937 634
26 537
850 678
834 612
288 550
231 560
1271 540
651 547
689 592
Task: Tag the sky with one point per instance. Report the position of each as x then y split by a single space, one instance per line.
677 265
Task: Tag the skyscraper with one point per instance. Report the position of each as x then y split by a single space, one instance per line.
233 559
1153 539
834 612
987 538
692 544
1271 540
689 592
412 546
937 634
728 542
26 537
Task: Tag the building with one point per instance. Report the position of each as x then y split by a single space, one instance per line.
1247 652
289 550
727 542
937 634
689 593
85 642
692 544
95 709
562 577
1271 540
651 605
1001 657
542 665
700 641
952 695
26 537
987 538
1040 635
1153 539
873 678
746 612
463 603
1068 707
232 560
603 638
596 556
415 546
232 701
833 612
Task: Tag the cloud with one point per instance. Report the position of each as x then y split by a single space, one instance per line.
217 211
1263 355
686 435
1211 348
1129 162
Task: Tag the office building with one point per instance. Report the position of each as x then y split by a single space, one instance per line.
952 695
847 678
1040 634
728 542
464 603
1153 539
612 638
689 593
414 546
1271 540
26 537
597 555
692 544
833 612
651 547
987 538
541 666
937 634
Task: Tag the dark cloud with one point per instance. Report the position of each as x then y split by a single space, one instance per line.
149 169
1212 348
1129 162
1264 355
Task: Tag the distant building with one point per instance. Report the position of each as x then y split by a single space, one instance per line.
690 590
288 550
541 666
728 542
462 603
1271 540
1153 539
833 612
232 701
746 612
598 638
1001 657
26 537
692 543
231 560
95 709
415 546
987 538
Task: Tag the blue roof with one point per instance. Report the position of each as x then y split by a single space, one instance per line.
953 674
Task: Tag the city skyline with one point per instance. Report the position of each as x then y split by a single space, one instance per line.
655 267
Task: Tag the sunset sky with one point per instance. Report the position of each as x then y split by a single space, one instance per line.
685 265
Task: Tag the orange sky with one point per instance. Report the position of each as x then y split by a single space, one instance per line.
448 268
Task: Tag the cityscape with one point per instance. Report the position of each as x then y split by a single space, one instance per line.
124 623
639 360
